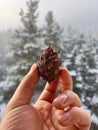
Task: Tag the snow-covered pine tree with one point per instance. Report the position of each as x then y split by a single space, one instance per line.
28 35
53 33
81 60
25 44
4 49
5 63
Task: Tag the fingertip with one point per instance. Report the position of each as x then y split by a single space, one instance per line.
64 72
34 73
65 80
34 67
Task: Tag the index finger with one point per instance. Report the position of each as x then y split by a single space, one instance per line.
65 80
25 90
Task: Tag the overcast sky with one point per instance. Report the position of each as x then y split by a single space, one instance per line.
77 13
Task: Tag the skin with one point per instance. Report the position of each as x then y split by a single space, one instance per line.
50 112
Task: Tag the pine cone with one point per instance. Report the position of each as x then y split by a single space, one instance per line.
49 64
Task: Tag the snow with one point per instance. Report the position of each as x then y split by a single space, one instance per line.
2 83
66 63
69 55
9 54
94 70
79 77
95 99
97 80
73 73
79 85
95 119
26 34
78 58
1 97
2 108
30 45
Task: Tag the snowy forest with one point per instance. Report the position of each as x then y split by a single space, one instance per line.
20 48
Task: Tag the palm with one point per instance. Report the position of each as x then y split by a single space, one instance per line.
41 116
32 118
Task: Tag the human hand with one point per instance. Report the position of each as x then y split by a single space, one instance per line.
48 113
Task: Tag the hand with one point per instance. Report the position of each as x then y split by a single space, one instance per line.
48 113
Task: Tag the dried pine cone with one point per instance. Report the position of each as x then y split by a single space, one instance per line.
49 64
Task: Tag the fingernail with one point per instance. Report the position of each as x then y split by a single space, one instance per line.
32 68
62 98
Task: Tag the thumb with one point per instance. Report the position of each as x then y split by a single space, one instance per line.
26 88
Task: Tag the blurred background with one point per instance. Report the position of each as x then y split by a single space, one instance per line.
29 26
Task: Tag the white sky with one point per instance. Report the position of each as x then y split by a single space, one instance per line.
78 13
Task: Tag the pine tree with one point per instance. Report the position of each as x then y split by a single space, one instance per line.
81 61
52 31
28 34
25 44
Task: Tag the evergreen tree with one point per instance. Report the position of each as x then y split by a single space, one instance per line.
28 34
81 60
3 46
4 54
25 44
52 31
